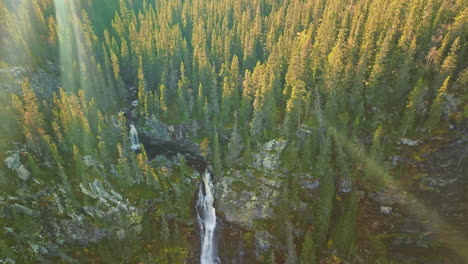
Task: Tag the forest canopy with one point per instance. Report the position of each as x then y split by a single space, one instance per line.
348 84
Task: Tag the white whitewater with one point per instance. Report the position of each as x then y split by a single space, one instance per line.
207 220
133 135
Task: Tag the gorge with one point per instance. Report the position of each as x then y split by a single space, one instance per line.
234 131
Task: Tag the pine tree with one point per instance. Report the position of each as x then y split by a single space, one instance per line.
217 160
449 64
308 250
290 246
295 104
326 192
29 117
436 110
271 257
183 100
142 91
165 232
230 93
413 106
234 147
163 101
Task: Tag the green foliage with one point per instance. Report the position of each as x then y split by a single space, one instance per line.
343 233
414 106
326 194
290 246
217 159
317 73
436 110
307 250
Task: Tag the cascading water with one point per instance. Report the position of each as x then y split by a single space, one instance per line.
207 220
134 137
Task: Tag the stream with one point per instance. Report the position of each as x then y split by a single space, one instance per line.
206 213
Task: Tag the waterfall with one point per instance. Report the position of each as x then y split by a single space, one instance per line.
134 137
207 220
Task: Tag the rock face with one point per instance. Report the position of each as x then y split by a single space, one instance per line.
245 196
162 139
426 220
264 241
43 222
248 199
179 133
45 80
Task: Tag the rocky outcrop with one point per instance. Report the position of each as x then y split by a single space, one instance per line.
248 199
268 156
423 222
245 196
162 132
44 81
43 222
170 140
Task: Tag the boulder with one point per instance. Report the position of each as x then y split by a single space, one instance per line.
346 185
13 162
385 210
264 241
389 196
409 142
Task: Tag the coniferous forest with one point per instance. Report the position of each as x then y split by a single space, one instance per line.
234 131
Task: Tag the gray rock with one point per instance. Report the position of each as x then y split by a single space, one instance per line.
274 145
268 156
181 133
389 196
25 210
89 161
23 173
13 163
244 197
385 210
410 142
44 81
264 241
346 185
311 185
7 261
